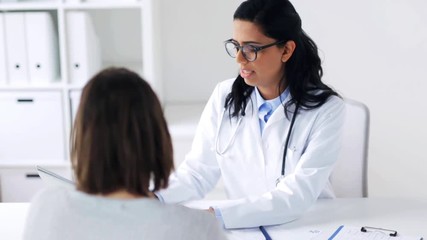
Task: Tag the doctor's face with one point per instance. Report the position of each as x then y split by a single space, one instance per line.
267 69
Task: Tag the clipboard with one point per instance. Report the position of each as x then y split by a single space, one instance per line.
53 179
368 233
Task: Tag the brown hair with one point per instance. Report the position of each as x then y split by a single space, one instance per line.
120 139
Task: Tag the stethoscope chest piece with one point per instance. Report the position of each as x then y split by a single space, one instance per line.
279 179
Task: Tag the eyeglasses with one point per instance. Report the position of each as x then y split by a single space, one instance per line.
249 51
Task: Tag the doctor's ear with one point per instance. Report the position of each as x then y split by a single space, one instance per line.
288 50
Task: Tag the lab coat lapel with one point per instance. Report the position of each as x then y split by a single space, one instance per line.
253 121
279 113
252 117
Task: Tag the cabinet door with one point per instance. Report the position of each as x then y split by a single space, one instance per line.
21 184
74 102
31 126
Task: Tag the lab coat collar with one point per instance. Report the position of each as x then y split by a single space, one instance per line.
274 102
279 113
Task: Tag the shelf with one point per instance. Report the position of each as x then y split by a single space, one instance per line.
16 165
133 66
44 86
54 5
124 32
103 5
29 6
75 86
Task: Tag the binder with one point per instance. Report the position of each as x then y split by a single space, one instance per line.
3 69
42 47
53 179
16 50
84 55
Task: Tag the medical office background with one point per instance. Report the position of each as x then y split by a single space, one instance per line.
372 51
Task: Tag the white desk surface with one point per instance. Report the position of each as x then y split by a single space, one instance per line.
12 219
407 217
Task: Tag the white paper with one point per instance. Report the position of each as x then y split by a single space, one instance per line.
276 232
354 233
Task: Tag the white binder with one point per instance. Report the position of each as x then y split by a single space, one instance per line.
3 69
84 55
42 47
16 51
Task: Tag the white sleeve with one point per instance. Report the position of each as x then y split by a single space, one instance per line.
300 189
199 172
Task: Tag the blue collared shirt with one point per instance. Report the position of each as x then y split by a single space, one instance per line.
274 103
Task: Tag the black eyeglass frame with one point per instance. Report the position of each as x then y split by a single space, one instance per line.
255 48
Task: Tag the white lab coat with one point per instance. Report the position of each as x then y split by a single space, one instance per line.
252 162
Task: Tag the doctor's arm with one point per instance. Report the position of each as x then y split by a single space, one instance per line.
300 189
199 173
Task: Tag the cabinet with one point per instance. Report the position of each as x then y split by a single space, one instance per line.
19 182
31 126
37 113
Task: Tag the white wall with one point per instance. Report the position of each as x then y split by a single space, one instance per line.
373 51
192 50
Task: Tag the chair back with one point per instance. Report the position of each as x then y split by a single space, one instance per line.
349 177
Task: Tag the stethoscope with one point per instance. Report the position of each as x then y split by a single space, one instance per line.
233 135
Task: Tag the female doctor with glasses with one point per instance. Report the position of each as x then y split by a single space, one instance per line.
273 133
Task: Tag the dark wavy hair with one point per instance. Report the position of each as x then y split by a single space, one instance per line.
120 140
279 20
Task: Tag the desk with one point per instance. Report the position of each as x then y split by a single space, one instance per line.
12 219
408 217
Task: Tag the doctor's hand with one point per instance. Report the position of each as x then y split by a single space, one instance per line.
211 210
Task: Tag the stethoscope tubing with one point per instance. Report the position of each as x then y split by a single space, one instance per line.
227 146
287 140
282 175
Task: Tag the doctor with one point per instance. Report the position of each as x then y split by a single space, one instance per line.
272 133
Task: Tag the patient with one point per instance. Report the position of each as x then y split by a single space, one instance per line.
121 151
